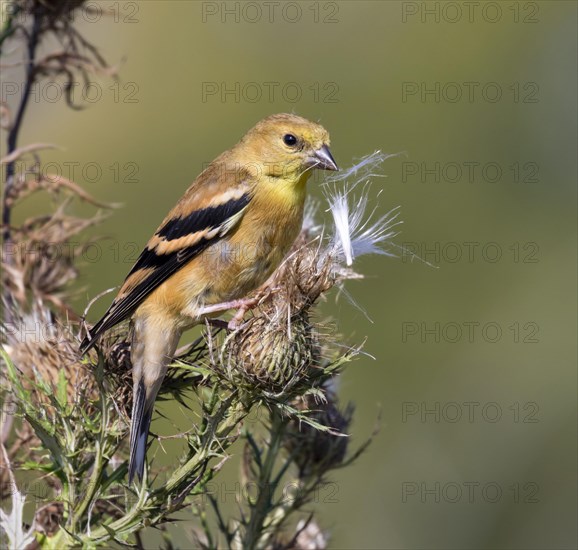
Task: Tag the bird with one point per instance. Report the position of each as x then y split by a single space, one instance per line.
222 240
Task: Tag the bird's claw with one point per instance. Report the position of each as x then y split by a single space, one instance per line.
236 324
250 303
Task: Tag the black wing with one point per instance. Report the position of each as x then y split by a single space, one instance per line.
160 259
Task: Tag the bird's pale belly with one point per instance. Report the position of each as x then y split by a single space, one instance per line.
231 270
240 268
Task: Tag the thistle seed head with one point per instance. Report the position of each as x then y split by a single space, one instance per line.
274 353
316 450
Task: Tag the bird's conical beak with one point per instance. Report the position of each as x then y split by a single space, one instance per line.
324 160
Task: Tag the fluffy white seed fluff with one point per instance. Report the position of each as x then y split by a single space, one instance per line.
358 229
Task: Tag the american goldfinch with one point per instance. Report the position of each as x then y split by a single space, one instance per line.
223 239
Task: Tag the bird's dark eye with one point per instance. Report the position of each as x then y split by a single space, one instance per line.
289 139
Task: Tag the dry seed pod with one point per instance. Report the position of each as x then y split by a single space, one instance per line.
42 348
271 354
316 451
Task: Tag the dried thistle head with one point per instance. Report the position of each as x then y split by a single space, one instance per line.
280 345
41 262
278 350
51 8
45 351
320 444
41 19
115 350
272 353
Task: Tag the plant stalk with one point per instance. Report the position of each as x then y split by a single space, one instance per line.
267 486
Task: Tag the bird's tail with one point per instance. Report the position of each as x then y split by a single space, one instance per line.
152 350
142 412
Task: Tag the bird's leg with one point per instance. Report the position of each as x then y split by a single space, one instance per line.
223 306
242 306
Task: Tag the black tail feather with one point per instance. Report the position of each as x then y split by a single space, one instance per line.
139 430
94 334
87 343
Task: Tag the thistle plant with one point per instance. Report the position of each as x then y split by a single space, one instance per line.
65 418
282 361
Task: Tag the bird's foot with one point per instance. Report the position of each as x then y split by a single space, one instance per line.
237 321
242 306
247 304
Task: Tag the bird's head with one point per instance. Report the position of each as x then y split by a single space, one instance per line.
288 146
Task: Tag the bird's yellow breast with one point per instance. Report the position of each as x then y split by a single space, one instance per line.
247 258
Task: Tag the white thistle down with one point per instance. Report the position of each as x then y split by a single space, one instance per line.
362 170
356 232
12 524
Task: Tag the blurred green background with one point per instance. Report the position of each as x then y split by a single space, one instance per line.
475 360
